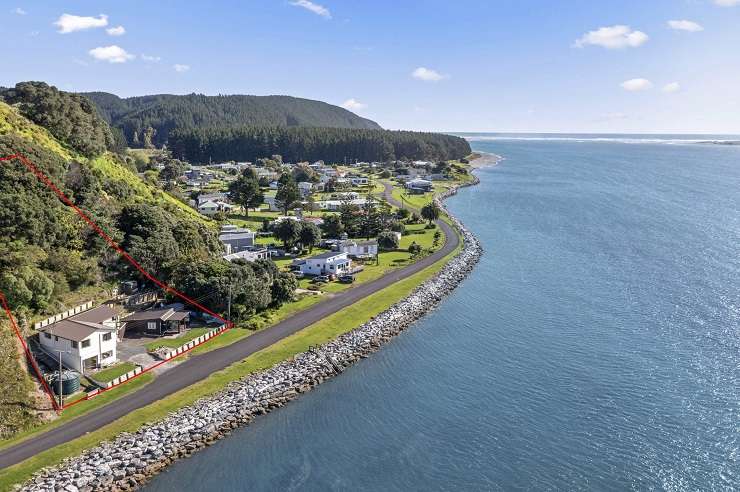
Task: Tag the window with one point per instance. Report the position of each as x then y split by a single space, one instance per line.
75 344
56 338
47 335
85 343
107 337
151 326
107 355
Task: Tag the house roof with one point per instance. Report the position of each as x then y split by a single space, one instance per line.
229 236
70 330
249 254
96 315
349 242
81 326
160 314
327 255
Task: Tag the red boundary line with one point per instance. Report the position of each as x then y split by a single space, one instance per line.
47 181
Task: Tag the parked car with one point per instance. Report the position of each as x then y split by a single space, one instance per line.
298 274
347 279
320 278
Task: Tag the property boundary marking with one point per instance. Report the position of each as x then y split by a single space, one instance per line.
113 245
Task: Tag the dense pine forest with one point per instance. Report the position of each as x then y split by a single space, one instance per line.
149 120
298 144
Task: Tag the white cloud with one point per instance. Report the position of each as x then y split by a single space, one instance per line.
672 87
634 85
111 54
116 31
150 58
70 23
353 105
614 37
427 75
19 11
685 25
181 68
313 7
727 3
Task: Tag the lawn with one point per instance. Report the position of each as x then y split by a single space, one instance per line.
174 343
318 333
112 372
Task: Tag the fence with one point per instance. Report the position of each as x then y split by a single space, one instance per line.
195 342
64 315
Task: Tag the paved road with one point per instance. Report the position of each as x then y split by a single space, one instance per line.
199 367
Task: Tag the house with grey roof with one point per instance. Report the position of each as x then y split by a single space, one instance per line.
236 239
86 341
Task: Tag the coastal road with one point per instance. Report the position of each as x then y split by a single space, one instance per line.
199 367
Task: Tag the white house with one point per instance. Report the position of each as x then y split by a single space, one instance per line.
359 248
334 205
87 340
359 181
210 207
250 255
420 185
329 263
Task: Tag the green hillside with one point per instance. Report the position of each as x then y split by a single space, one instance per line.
164 113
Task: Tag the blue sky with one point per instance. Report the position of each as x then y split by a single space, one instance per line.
467 65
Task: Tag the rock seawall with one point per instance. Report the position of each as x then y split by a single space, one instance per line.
129 460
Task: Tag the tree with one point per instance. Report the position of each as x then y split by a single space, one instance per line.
370 222
430 211
333 226
246 192
387 241
173 169
288 231
437 238
216 281
310 235
414 249
287 194
283 288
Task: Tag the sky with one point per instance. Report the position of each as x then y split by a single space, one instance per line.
622 66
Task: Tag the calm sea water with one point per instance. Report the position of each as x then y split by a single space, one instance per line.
596 347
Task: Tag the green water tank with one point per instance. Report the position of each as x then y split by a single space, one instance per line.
70 382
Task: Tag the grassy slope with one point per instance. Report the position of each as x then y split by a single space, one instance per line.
17 409
105 165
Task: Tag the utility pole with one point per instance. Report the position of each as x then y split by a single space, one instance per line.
228 317
59 380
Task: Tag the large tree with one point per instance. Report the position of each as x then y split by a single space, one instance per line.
333 226
430 211
288 193
246 192
310 235
288 231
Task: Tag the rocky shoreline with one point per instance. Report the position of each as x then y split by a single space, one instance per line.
128 461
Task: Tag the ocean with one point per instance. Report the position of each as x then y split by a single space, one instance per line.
595 347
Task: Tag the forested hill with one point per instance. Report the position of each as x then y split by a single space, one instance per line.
148 120
299 144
